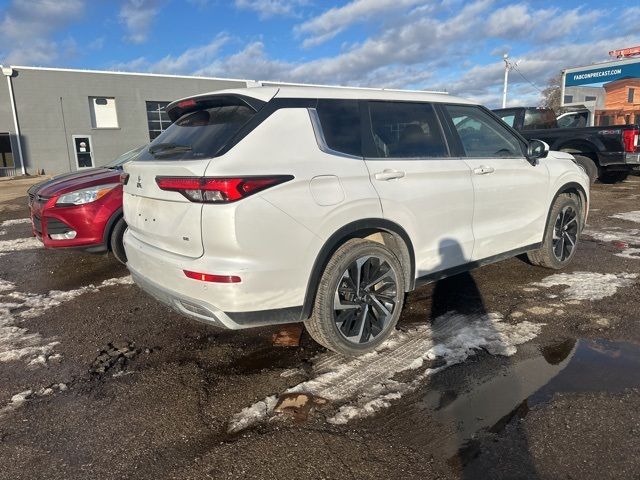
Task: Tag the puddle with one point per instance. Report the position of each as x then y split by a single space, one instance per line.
570 366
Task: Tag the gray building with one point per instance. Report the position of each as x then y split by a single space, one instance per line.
72 119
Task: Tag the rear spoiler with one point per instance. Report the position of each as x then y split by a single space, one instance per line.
178 108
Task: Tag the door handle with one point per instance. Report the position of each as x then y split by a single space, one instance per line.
483 170
389 174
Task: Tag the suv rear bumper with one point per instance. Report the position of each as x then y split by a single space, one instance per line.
160 274
208 313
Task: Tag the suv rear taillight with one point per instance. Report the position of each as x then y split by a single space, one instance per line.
219 190
630 140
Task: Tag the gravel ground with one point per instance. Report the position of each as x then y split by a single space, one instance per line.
104 382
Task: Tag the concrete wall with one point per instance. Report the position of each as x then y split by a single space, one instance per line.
53 105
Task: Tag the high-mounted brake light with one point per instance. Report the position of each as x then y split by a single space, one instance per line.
630 140
187 103
218 190
207 277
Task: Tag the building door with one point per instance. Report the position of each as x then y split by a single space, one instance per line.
6 156
83 150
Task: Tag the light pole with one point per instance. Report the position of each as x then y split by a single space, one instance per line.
505 57
8 72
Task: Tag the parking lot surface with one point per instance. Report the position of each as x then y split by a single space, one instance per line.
511 371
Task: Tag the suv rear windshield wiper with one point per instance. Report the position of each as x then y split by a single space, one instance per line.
168 148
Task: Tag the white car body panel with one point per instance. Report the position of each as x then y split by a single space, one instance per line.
442 238
510 204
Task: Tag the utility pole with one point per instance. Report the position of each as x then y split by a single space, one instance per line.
507 67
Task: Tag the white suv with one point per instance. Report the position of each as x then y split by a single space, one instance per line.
325 205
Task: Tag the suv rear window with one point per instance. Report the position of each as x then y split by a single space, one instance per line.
198 134
406 130
340 122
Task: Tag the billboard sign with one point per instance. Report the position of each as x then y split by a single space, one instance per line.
598 76
610 91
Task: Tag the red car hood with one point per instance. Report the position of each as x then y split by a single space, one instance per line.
76 181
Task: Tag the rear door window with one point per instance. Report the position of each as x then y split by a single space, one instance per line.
539 120
482 135
198 134
406 130
340 123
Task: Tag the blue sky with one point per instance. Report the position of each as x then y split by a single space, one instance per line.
453 45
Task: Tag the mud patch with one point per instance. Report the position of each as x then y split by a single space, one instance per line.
298 405
17 343
113 358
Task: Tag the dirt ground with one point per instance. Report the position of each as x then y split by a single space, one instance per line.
508 372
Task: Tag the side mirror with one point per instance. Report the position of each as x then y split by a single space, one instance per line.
536 150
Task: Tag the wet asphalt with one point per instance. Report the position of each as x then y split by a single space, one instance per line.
133 390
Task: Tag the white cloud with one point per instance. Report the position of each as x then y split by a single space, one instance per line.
26 27
335 20
187 62
137 17
416 48
519 21
271 8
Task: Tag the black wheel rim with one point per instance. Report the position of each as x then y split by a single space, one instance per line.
365 299
565 233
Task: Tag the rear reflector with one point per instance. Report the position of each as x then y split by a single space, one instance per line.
218 190
630 139
207 277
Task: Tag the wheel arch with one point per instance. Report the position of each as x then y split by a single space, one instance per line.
108 228
571 188
379 230
582 147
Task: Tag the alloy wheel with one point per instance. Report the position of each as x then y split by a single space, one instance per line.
565 233
365 299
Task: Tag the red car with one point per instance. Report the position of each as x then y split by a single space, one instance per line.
82 209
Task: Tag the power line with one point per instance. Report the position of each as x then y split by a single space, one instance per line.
515 67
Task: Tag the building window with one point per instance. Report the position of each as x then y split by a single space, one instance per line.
157 118
630 95
568 99
103 112
590 98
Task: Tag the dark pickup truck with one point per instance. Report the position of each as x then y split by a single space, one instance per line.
608 153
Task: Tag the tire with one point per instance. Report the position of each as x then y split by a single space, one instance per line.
613 177
563 228
115 241
589 166
367 319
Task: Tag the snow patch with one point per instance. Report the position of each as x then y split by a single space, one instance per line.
16 342
20 244
589 285
365 385
21 398
18 221
16 401
631 236
629 216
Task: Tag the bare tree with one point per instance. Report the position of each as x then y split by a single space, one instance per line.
551 94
